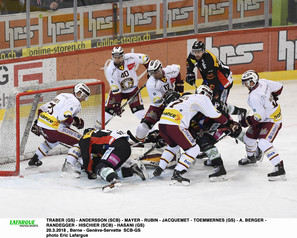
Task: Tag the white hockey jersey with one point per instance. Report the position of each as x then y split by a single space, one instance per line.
181 111
56 111
124 78
157 87
265 109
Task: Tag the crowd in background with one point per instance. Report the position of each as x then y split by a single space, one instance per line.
18 6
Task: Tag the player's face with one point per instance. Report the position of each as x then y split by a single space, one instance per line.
157 74
118 60
249 84
198 54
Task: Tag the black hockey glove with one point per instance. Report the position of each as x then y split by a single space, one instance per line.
190 79
275 97
36 129
78 122
116 107
234 127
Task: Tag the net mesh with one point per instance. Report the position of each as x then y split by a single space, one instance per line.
91 111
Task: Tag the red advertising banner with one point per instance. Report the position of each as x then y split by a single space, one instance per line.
264 50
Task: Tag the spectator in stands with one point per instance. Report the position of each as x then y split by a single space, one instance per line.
41 5
11 6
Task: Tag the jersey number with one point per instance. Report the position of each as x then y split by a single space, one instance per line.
125 74
166 86
51 108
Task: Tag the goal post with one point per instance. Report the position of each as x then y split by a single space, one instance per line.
17 143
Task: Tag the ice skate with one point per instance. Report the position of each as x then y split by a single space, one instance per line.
69 170
278 173
158 171
113 184
218 175
259 155
207 162
34 162
201 155
177 178
248 160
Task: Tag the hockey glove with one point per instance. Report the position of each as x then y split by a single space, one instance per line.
249 121
275 96
153 136
78 122
190 79
36 129
235 128
117 109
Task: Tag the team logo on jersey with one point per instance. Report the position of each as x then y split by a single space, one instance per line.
212 86
131 66
127 83
164 80
121 67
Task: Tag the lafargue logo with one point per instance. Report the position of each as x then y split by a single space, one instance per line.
23 223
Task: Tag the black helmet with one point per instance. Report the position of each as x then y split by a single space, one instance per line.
198 46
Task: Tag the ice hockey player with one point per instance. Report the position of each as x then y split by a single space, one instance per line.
123 80
264 124
160 81
201 128
173 126
54 121
215 75
102 153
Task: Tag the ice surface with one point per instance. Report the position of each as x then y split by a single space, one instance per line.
247 193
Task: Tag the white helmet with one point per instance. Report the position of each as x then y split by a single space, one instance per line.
153 66
248 77
84 89
205 90
117 51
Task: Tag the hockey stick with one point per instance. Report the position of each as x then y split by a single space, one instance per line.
147 152
128 101
213 130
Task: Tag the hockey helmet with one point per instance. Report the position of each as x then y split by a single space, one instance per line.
83 89
205 90
198 46
154 66
248 77
117 51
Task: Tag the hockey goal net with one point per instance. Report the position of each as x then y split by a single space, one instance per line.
18 143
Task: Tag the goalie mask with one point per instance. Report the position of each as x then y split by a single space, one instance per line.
205 90
82 91
250 79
